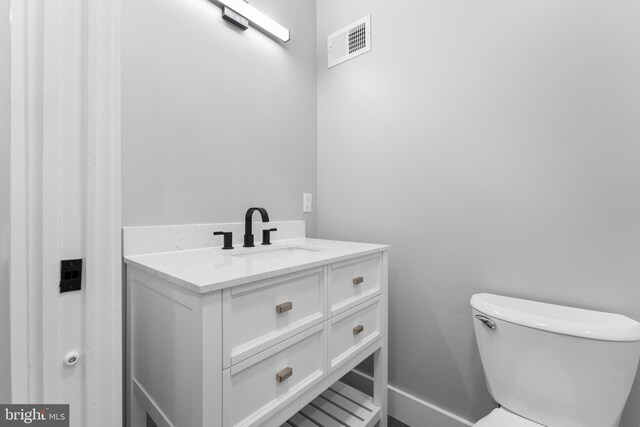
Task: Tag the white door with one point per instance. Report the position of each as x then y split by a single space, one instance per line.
65 204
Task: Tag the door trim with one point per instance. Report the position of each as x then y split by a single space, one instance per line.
19 267
103 224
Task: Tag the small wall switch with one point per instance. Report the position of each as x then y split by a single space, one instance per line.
307 202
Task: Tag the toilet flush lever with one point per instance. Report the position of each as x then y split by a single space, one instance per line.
487 322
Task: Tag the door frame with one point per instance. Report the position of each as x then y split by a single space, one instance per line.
41 125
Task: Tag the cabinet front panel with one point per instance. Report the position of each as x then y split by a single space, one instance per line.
163 328
352 282
263 384
353 330
261 316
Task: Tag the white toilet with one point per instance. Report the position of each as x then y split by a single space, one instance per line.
554 366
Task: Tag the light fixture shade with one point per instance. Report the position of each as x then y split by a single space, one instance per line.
258 18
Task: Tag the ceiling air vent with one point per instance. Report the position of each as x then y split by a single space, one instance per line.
349 42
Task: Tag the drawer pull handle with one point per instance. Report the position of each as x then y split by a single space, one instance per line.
358 329
284 374
358 280
284 307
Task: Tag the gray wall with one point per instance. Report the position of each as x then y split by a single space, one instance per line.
495 146
216 120
5 70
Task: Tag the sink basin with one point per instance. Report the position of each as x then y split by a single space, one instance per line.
276 253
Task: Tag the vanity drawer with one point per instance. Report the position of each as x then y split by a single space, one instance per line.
351 331
259 315
256 388
353 281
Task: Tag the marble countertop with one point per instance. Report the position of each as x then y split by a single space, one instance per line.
211 269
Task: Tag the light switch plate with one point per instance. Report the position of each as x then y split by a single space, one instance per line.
307 202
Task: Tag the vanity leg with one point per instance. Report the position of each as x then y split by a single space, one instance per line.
136 415
380 362
380 383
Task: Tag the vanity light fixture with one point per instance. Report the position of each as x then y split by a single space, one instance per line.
241 13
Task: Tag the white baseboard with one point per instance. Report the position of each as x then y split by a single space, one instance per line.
418 413
407 408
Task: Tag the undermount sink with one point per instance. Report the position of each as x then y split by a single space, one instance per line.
276 252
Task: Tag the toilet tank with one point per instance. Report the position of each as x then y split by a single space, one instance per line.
557 366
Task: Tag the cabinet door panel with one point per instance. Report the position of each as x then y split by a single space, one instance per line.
259 386
353 330
260 315
352 282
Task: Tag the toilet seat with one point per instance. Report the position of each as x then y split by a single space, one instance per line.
502 418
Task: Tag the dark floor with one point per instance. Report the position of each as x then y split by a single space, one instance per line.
395 423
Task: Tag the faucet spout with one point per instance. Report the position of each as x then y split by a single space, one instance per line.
248 234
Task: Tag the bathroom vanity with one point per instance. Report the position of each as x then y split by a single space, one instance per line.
253 336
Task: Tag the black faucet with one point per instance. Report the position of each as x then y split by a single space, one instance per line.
248 235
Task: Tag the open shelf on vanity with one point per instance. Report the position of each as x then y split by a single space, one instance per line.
338 406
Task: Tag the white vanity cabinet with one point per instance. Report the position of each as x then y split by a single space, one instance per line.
267 349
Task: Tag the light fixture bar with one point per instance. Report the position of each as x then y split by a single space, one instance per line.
235 18
258 18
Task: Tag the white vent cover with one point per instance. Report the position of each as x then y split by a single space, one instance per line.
349 42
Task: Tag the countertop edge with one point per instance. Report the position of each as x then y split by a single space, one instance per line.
223 284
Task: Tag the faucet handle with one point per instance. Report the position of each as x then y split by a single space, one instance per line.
266 235
228 238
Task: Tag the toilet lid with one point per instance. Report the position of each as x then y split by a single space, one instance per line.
502 418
